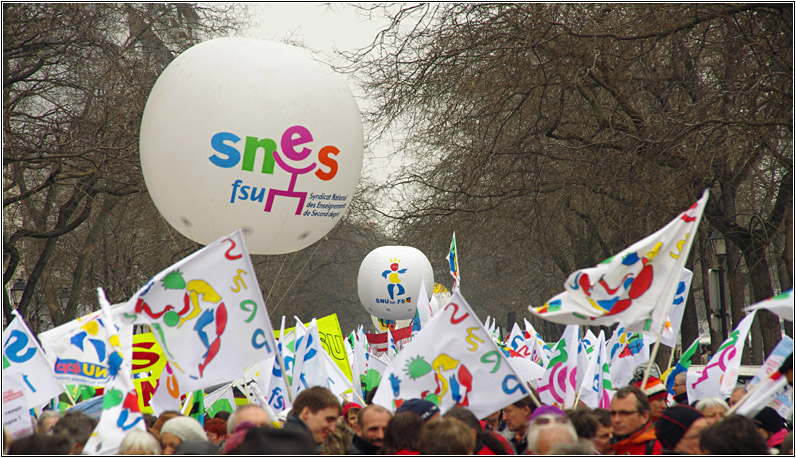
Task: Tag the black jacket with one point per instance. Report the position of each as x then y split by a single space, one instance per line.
294 422
360 446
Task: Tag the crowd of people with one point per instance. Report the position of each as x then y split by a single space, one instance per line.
639 421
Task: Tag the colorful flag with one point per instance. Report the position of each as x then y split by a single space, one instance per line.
452 362
453 262
672 327
309 368
682 365
376 369
516 341
120 413
392 350
221 400
558 384
627 350
770 389
780 305
207 314
540 351
424 309
718 377
79 352
167 392
599 391
634 287
23 357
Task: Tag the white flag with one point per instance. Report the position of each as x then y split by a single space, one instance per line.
558 384
452 361
207 313
636 286
780 305
718 377
627 351
79 352
23 357
672 327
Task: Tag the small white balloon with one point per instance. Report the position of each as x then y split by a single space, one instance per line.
245 133
389 279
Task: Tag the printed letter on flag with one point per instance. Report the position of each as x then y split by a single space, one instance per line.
22 356
557 386
452 361
718 377
207 314
636 286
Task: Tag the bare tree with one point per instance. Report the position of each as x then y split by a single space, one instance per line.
553 135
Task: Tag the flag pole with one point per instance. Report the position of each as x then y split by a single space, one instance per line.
682 257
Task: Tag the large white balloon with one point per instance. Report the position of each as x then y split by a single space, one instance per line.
389 281
239 132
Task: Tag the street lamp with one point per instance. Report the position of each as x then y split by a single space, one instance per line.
719 246
16 291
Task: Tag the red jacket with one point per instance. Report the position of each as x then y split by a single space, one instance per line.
642 442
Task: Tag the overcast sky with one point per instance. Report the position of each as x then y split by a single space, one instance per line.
324 28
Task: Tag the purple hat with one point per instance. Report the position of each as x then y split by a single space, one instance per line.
547 410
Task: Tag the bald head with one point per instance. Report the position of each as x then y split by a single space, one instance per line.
251 413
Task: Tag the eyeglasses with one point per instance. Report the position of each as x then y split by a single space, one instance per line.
623 413
546 419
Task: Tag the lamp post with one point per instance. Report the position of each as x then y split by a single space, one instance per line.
17 290
720 250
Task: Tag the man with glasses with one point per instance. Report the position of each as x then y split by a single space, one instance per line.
680 392
634 432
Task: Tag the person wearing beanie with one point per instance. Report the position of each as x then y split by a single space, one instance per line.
656 395
350 412
427 410
180 429
771 426
678 429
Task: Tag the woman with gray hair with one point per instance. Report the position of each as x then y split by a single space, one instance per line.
139 442
713 409
180 429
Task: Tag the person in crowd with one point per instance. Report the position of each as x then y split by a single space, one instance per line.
656 396
581 447
251 413
713 409
786 448
369 430
337 441
265 440
137 442
517 416
486 442
350 412
426 409
680 391
494 422
180 429
46 421
548 426
194 447
734 435
634 432
222 415
402 434
771 426
315 412
77 426
584 422
42 444
679 429
448 436
149 420
605 432
162 418
737 393
7 440
216 430
237 436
